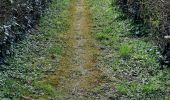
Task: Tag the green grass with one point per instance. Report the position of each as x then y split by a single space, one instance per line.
55 50
150 87
125 50
101 36
138 77
47 88
121 88
36 56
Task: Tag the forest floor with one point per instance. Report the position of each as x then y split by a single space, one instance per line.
84 50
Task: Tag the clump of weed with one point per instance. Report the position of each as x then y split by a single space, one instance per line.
102 36
125 50
121 88
150 87
47 88
55 50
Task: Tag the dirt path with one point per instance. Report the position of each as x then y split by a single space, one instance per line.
78 74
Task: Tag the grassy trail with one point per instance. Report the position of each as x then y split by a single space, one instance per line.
84 50
78 73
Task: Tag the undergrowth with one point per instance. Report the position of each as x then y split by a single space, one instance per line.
133 61
34 57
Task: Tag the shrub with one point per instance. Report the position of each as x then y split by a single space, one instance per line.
17 18
155 14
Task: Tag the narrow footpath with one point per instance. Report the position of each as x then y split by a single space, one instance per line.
78 74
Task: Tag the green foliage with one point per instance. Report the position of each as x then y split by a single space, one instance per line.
151 87
153 17
137 77
125 50
102 36
55 50
47 88
33 57
149 12
18 18
121 88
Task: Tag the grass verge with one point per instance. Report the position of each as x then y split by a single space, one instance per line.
35 57
132 61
